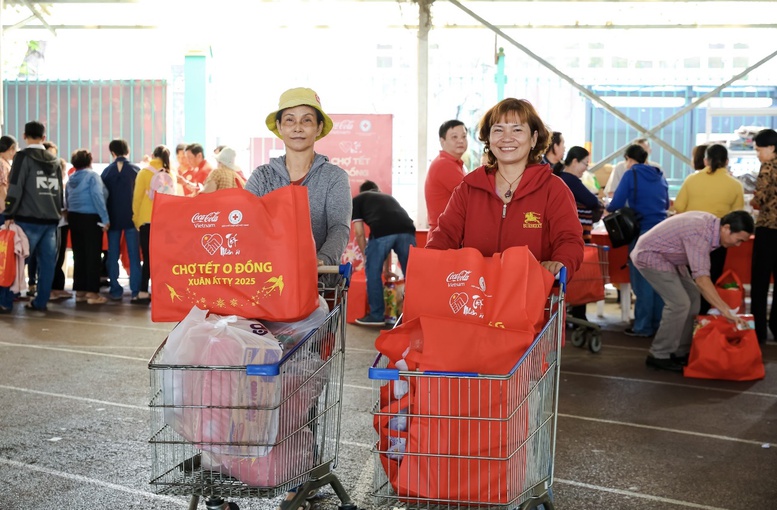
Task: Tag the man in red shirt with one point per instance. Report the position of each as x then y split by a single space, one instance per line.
199 169
446 171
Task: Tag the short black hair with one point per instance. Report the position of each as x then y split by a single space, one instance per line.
576 153
765 138
119 147
195 148
555 139
448 125
34 129
368 186
81 158
738 221
6 142
637 153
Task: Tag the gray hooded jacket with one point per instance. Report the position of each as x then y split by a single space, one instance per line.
329 194
35 187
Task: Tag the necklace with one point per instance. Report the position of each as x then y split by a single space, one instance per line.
509 191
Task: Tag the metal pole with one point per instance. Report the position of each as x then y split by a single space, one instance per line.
587 93
424 23
2 79
685 109
501 79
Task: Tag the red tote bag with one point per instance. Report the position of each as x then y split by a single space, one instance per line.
466 444
7 258
432 343
233 253
730 289
721 351
587 285
507 290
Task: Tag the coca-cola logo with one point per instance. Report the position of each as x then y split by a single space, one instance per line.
343 125
211 217
462 276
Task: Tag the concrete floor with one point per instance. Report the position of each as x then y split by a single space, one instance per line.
74 390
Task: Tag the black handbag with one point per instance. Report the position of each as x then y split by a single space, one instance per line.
623 225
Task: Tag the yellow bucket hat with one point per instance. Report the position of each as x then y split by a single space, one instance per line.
298 97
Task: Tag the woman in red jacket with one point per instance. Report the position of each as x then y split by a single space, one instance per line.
514 199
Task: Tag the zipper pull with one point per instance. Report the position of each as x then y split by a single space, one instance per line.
504 210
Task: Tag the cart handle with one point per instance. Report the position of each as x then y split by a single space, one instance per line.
343 270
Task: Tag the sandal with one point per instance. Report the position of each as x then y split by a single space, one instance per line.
96 299
81 296
31 306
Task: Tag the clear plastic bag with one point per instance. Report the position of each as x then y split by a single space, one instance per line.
212 406
290 334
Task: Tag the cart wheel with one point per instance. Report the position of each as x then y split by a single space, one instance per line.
595 341
578 337
233 506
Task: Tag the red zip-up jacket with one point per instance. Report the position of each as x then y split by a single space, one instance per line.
541 215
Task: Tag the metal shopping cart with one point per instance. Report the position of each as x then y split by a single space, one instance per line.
302 406
456 440
587 286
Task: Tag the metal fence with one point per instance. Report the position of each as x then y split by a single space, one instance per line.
89 114
648 106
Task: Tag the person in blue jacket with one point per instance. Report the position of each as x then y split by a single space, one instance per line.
119 179
88 218
648 195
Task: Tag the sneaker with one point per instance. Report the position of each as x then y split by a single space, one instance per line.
31 306
631 332
682 360
369 321
143 298
663 364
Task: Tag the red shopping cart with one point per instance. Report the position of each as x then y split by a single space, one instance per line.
299 403
454 440
587 286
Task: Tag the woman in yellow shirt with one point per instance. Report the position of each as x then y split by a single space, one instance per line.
156 178
715 191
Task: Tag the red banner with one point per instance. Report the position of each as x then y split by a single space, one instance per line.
359 144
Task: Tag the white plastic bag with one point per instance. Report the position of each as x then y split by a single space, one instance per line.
213 405
290 334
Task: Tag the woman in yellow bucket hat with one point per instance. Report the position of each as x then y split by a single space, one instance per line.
299 121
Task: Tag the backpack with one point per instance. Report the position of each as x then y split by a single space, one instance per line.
161 182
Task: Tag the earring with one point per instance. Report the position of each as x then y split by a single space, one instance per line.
532 147
485 149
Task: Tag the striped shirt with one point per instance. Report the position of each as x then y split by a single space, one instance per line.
683 240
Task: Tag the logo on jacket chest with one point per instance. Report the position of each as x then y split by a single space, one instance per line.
532 220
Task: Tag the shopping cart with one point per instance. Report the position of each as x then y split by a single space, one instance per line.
587 286
458 440
304 406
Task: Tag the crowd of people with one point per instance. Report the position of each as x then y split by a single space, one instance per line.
529 191
51 204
